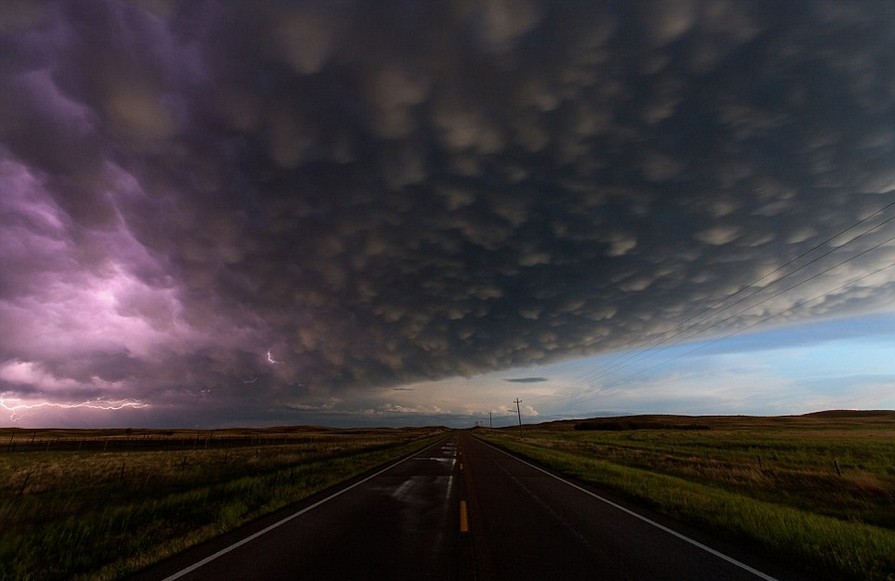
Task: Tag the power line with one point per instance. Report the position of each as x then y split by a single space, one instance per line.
644 353
778 293
798 284
797 258
760 321
631 358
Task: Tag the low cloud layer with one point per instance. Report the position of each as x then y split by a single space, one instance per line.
213 206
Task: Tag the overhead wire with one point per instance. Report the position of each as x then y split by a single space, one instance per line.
778 293
744 309
646 350
749 326
635 357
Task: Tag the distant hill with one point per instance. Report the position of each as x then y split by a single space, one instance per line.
708 422
621 424
841 414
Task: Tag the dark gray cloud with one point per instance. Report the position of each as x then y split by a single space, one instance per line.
377 193
527 379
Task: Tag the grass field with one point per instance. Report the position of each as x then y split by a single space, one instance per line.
99 504
816 489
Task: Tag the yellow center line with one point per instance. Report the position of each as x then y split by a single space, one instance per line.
464 518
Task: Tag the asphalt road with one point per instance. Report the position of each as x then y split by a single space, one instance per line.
462 509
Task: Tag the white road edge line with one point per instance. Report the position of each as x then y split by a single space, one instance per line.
292 516
672 532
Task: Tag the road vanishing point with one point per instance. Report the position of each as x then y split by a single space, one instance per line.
462 509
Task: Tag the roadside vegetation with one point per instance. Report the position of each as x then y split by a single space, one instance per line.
816 489
80 504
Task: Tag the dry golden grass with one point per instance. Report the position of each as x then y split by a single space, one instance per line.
98 504
823 483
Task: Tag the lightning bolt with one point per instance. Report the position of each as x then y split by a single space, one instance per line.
272 360
16 409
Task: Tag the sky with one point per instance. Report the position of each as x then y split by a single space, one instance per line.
221 213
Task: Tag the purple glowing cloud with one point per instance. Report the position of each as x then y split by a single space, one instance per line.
216 202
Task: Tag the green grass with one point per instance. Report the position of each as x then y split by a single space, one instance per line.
94 514
809 490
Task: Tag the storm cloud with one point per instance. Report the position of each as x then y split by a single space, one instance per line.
221 205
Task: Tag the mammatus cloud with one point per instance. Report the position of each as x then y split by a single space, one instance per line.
219 203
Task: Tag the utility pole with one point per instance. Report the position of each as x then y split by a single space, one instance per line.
490 421
517 401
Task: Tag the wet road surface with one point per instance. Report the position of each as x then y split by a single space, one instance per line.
462 509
